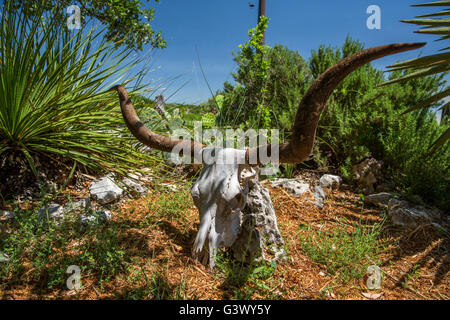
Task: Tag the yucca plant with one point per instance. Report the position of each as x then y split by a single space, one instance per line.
54 97
437 23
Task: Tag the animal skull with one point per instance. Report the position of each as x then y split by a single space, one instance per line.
220 193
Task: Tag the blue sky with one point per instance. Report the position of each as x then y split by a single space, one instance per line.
216 28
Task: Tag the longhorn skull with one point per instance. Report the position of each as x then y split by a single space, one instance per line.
221 190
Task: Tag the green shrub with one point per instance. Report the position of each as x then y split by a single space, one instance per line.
270 83
363 120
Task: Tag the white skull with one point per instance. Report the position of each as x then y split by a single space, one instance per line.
220 193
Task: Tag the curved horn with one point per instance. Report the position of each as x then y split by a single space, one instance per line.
148 137
313 102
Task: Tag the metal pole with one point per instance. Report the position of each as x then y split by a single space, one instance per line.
262 12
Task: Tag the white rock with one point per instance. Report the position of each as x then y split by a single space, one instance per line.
54 212
133 186
259 234
82 204
402 213
319 197
105 190
96 218
330 181
7 215
296 187
379 199
3 257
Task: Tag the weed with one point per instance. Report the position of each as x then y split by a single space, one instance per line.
171 205
413 274
246 279
41 253
343 253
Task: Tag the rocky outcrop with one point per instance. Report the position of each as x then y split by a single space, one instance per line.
259 237
403 213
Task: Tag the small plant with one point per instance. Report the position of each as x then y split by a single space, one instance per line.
413 274
42 252
289 170
246 279
344 253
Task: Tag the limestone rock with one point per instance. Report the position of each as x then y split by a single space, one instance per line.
3 258
7 215
379 199
319 197
79 205
134 187
403 213
54 212
259 237
105 190
98 217
296 187
330 181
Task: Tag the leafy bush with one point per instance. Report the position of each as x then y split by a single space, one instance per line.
270 83
53 98
362 119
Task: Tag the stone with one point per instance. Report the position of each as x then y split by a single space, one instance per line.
55 213
379 199
296 187
105 190
401 214
330 181
98 217
79 205
7 215
319 197
4 258
131 183
259 237
404 213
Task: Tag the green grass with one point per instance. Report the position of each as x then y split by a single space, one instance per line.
345 254
246 279
154 284
41 253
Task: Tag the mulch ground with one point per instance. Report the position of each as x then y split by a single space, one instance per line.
415 263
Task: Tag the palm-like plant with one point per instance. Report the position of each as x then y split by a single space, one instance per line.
436 24
54 98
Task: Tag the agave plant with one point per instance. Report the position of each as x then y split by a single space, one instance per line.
54 98
435 24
